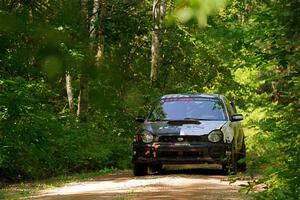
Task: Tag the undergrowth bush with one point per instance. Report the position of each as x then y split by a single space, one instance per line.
37 143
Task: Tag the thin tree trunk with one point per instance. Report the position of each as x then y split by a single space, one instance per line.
100 34
83 98
82 108
69 90
158 13
93 27
96 31
154 56
85 15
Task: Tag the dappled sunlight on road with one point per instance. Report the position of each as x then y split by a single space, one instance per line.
168 186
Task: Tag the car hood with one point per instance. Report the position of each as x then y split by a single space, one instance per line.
164 128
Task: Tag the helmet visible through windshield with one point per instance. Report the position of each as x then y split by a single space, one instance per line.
188 108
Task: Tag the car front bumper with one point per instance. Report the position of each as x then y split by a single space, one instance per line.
181 153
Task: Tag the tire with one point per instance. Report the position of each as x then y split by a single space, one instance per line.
241 164
231 166
140 169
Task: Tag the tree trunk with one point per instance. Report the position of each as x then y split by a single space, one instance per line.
83 99
82 108
84 15
154 56
158 13
96 31
100 36
69 90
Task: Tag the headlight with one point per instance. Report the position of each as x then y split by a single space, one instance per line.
146 136
215 136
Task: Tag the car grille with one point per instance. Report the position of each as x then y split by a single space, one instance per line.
178 154
189 139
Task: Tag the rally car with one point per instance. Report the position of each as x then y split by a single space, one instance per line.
190 129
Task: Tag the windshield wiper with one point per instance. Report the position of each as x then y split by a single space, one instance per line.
192 118
184 121
158 120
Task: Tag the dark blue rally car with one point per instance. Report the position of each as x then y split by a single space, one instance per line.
190 129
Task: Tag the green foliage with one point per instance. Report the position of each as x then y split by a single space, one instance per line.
37 143
269 51
198 9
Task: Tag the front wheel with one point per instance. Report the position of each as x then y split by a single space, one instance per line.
231 166
140 169
241 164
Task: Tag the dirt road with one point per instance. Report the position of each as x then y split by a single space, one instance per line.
172 184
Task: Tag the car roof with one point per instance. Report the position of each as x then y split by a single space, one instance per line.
213 96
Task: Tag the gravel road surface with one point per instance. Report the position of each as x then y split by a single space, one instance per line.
210 184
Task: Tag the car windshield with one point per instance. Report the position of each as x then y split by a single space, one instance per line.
188 109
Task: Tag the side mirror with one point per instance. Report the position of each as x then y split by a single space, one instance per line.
140 119
236 117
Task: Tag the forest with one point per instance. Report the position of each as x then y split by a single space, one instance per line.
75 74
